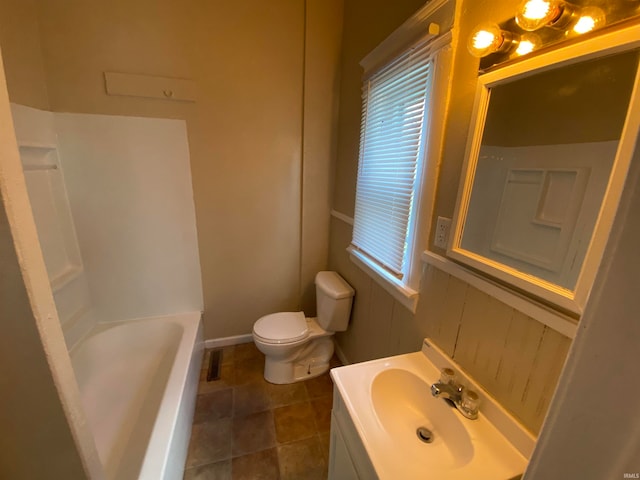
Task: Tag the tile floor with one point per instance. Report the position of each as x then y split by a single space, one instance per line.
247 428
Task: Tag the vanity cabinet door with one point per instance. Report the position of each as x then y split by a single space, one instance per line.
340 464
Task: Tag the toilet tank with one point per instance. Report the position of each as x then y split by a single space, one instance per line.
334 297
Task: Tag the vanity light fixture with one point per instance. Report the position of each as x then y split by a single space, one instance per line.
557 20
535 14
490 38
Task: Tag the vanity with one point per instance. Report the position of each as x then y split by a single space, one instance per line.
386 424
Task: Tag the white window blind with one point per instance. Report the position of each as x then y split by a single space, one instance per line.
391 149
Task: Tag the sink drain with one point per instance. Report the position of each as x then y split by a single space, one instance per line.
424 434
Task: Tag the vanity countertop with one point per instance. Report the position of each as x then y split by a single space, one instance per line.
388 399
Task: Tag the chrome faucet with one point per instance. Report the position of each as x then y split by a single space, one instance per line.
448 391
466 401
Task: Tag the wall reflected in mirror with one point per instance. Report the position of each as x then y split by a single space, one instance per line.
547 151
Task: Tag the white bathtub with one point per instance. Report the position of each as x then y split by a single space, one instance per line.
138 381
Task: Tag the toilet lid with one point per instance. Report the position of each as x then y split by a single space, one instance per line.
283 327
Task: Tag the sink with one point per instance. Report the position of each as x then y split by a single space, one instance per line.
385 401
400 415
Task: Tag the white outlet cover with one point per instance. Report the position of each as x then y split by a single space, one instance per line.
442 232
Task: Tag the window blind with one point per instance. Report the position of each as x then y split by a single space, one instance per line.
391 139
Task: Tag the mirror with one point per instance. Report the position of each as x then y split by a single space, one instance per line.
545 165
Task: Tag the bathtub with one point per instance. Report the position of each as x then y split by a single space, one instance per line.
138 381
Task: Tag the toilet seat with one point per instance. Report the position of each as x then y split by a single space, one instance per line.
281 328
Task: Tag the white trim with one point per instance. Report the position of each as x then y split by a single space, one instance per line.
552 319
403 294
150 86
36 145
226 341
425 195
572 300
341 216
412 29
439 93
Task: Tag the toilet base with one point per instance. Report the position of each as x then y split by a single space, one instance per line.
312 361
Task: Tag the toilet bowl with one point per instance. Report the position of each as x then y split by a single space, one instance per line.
297 348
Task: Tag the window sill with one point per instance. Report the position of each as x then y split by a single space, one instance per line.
406 296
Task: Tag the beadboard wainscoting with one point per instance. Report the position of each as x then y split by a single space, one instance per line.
513 356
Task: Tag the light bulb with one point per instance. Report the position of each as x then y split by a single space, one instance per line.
485 39
584 25
590 18
536 9
528 43
535 14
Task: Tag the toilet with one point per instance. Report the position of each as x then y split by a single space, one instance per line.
297 348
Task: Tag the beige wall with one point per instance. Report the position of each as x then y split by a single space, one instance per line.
245 128
514 357
583 102
22 54
321 94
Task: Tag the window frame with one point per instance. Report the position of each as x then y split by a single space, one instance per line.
405 291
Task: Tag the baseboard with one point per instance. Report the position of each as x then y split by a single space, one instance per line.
226 341
343 358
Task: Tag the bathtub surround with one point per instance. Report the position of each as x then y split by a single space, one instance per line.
38 144
261 131
113 204
120 245
129 185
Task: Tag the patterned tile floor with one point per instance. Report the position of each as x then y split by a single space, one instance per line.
247 428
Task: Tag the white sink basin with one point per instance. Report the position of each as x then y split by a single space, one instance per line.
389 399
402 402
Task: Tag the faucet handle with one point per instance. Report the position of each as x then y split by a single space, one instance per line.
448 376
469 404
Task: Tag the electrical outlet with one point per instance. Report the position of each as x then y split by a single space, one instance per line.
442 232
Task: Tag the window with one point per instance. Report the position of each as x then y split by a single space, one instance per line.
394 135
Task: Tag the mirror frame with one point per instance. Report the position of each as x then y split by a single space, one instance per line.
574 301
